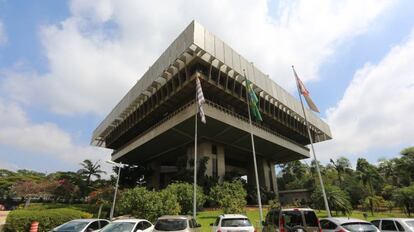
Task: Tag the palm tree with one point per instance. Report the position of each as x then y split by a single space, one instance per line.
341 165
368 174
90 169
337 198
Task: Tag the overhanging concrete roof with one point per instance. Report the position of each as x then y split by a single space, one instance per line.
195 39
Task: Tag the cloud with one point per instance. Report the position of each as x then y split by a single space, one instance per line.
377 108
98 53
3 35
18 132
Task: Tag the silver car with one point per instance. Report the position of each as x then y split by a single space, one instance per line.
394 224
341 224
129 225
82 225
176 223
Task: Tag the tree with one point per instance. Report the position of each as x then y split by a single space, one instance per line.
90 170
230 197
367 174
341 166
29 189
338 200
405 165
373 203
404 197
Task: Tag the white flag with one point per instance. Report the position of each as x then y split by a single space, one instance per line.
200 100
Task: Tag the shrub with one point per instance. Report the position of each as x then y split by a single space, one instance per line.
20 220
141 203
231 197
184 193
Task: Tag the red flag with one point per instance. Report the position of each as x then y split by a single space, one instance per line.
302 89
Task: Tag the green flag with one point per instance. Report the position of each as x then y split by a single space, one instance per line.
253 100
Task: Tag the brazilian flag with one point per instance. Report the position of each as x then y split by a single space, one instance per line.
253 100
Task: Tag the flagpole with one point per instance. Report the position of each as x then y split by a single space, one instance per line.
195 157
259 200
325 199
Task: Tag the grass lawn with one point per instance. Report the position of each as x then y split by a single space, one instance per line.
209 216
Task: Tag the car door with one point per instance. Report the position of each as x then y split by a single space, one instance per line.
271 221
327 225
388 226
215 225
196 226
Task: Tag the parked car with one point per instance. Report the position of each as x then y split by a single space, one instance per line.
341 224
232 223
82 225
176 223
287 220
129 225
394 224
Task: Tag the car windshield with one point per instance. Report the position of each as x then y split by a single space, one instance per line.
72 226
171 224
293 218
119 227
359 226
410 223
235 222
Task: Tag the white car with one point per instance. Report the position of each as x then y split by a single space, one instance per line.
81 225
342 224
394 224
232 223
129 225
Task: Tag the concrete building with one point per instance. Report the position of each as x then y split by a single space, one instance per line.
153 125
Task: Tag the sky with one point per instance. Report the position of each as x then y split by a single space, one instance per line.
65 64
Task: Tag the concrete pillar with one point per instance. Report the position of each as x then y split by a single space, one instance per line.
216 158
273 177
154 180
266 173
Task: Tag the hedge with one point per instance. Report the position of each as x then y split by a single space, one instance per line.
20 220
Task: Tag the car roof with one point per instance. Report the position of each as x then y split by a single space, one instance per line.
342 220
233 216
130 220
175 217
294 209
402 219
86 220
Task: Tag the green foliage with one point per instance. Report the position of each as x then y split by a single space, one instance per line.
184 194
404 197
90 170
141 203
20 220
230 197
274 204
338 200
373 203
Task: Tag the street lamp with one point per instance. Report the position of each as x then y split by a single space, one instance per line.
119 165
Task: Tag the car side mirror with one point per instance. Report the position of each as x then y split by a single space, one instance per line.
198 225
211 224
